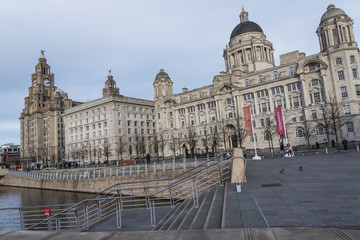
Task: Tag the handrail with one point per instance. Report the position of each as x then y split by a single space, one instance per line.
170 185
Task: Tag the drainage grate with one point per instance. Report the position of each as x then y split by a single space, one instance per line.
271 185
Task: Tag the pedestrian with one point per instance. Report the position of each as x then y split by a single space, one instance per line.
148 158
289 150
282 149
244 152
345 144
317 145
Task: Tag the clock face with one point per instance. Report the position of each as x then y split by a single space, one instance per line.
47 82
34 82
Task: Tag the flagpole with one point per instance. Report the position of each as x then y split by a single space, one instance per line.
286 137
256 157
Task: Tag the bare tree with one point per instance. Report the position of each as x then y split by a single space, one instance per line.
309 130
215 139
175 144
333 118
120 147
161 142
107 151
191 138
269 132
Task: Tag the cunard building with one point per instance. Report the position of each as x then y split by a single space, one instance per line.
310 90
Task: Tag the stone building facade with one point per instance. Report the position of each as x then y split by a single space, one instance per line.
304 86
41 123
109 128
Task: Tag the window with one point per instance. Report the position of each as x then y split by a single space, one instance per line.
354 72
212 117
261 79
171 125
230 113
350 127
301 117
347 110
182 122
352 58
317 97
190 97
299 132
341 75
314 82
357 88
263 107
291 71
312 67
202 118
262 122
344 93
200 94
313 114
181 99
320 131
296 101
192 120
338 61
278 103
247 83
293 117
275 75
211 92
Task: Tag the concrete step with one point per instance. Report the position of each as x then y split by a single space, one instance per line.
200 217
174 215
232 210
213 220
186 222
178 220
166 217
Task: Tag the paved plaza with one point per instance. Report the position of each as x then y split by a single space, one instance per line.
326 193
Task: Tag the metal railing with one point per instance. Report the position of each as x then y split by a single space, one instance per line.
130 169
147 194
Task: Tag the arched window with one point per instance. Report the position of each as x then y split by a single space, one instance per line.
211 92
181 99
299 132
261 79
247 82
275 75
200 94
291 71
320 130
190 97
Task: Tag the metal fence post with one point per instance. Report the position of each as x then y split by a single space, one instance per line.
195 159
86 216
98 203
163 166
110 172
184 163
130 169
138 168
173 163
104 172
145 167
123 168
49 224
195 194
117 171
154 166
152 214
118 215
77 219
21 219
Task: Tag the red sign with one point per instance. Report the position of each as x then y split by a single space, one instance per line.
279 121
47 212
247 118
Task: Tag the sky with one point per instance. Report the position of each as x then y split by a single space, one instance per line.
83 39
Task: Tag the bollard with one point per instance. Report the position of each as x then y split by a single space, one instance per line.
326 151
123 171
104 172
184 163
117 171
154 166
130 169
173 163
138 168
145 167
317 153
163 166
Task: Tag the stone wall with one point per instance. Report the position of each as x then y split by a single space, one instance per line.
93 185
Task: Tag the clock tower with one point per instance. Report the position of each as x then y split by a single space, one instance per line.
41 124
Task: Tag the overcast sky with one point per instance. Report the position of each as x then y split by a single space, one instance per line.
83 39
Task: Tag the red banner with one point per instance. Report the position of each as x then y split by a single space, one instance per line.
247 118
279 121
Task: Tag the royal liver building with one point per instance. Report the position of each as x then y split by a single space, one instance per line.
319 94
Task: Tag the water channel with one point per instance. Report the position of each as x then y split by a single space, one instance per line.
15 197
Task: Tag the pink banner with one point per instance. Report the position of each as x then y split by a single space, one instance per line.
247 118
279 121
